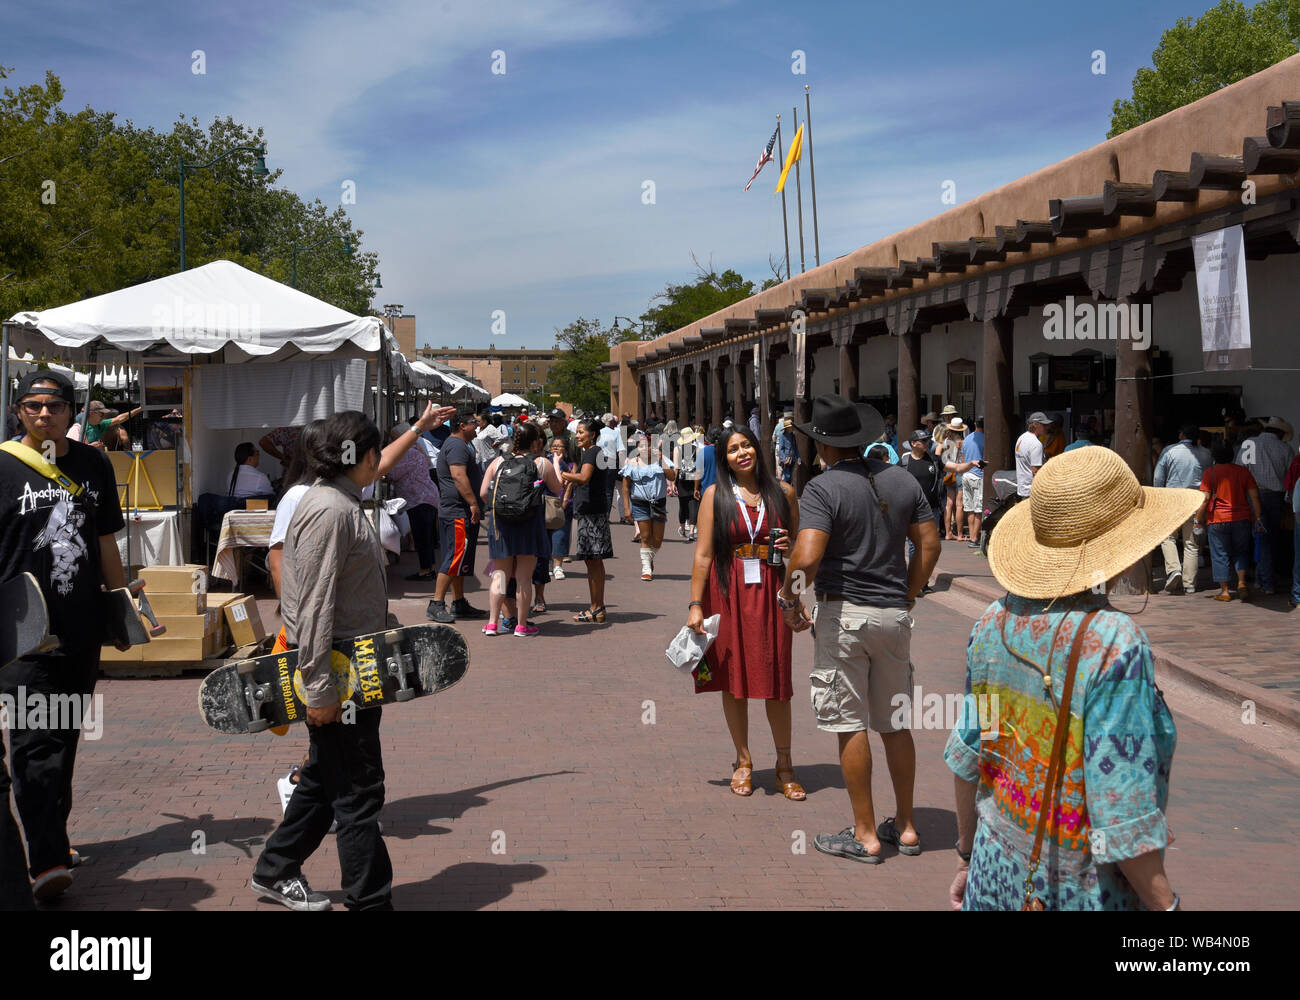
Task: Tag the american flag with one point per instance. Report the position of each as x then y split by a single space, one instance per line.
764 157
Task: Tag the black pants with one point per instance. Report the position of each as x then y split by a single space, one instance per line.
688 508
15 889
343 779
424 531
42 759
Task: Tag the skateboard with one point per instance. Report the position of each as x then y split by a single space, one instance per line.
26 620
125 607
395 665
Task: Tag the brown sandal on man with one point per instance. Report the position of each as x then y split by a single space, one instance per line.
742 786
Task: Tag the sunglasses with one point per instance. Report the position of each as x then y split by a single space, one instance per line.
33 407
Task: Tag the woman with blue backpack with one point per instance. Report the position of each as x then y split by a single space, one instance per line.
513 487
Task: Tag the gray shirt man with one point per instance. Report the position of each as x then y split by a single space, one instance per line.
334 585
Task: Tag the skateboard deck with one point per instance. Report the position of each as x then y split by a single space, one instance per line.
395 665
24 620
125 606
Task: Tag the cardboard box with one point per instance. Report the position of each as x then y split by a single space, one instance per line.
191 626
244 621
167 650
174 579
256 505
215 602
111 654
176 604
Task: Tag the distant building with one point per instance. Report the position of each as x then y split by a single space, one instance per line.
521 371
404 331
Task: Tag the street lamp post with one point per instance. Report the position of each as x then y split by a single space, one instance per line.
630 322
259 170
347 249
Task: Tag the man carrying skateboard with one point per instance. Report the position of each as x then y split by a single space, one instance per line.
59 512
333 587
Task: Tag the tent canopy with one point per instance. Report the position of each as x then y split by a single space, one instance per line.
509 399
202 311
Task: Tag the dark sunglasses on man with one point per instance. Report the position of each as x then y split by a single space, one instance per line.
33 407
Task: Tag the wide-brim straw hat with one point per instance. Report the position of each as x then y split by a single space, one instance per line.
956 426
1087 519
688 435
1279 424
949 411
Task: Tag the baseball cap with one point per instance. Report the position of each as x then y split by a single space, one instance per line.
920 434
1039 417
27 384
558 414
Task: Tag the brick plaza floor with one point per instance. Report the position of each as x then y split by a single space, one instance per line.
546 752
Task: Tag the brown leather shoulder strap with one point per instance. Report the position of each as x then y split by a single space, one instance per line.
1056 767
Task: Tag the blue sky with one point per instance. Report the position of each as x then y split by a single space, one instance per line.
522 191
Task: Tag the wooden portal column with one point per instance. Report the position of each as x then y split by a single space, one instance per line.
715 393
765 384
738 413
1134 419
849 371
909 383
999 400
803 414
642 402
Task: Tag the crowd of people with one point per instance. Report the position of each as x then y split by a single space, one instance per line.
845 558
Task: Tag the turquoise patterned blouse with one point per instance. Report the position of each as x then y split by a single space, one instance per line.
1111 803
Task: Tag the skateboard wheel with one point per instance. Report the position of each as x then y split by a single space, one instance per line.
404 694
246 667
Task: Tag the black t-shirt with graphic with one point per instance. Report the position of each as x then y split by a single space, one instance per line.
929 474
589 497
55 537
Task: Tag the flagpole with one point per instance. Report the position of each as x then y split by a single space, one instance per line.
785 221
798 193
812 173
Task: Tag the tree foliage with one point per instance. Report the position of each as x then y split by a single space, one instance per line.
91 204
681 305
1198 56
583 346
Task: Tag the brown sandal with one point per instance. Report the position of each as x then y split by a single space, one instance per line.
742 786
791 789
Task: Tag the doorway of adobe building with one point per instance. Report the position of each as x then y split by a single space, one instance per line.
961 387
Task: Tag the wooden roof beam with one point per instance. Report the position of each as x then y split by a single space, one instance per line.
983 249
712 333
692 340
1173 185
951 256
1009 240
1284 126
738 324
1078 216
1259 157
1217 173
1034 232
769 317
1120 198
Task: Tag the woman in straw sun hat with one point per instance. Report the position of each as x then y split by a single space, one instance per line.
1053 658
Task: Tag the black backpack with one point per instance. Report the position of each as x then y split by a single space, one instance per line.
517 489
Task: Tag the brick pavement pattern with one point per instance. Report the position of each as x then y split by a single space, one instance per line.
579 770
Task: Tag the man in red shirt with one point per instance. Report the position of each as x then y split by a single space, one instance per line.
1231 502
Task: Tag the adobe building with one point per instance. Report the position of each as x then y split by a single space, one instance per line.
522 371
974 306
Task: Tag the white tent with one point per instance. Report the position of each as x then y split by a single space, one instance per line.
230 329
510 399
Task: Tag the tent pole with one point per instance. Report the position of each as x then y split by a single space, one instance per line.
4 373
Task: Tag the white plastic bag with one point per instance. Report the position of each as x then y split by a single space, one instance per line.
688 647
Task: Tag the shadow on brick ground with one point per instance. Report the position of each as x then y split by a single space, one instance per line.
406 819
471 885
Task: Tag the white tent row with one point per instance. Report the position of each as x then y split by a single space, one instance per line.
251 353
510 399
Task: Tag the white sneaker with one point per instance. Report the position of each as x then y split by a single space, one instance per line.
558 573
285 787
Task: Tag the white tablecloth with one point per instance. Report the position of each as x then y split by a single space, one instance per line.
155 540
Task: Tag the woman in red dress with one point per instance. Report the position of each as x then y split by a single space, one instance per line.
732 578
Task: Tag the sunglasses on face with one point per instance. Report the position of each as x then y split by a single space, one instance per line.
33 407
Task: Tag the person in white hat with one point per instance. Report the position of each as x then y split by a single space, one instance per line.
1053 660
1266 456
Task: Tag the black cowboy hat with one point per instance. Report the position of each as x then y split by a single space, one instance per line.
841 424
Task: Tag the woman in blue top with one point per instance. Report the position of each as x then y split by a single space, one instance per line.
645 495
1104 831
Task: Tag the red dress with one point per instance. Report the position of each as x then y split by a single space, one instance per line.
751 656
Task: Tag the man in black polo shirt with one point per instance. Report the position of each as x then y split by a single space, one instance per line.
459 477
65 540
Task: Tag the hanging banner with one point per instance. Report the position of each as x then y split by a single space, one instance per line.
1221 290
663 385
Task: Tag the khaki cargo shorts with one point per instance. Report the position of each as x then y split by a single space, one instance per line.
972 491
861 667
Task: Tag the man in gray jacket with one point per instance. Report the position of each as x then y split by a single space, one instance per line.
1181 466
333 588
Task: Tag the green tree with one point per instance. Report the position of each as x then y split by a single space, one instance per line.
1198 56
681 305
91 205
583 347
